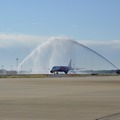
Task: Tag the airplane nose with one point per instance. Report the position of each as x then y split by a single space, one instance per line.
118 71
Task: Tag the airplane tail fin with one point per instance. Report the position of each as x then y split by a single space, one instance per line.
70 64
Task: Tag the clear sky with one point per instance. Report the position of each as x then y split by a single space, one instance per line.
25 23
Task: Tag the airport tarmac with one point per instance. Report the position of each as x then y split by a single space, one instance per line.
69 98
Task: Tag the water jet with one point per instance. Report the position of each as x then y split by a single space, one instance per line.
58 51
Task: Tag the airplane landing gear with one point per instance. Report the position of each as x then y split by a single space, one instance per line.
55 72
66 72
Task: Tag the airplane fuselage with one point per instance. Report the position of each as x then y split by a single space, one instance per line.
57 69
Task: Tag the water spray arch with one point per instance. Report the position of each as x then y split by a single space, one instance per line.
59 51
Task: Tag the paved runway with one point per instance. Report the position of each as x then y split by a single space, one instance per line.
70 98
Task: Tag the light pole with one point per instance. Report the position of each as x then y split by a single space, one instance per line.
17 65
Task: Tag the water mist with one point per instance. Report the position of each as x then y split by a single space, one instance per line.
59 51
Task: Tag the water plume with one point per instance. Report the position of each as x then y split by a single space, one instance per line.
59 51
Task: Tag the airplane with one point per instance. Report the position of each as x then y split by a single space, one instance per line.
65 69
118 71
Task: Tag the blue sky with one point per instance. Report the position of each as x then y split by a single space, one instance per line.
26 23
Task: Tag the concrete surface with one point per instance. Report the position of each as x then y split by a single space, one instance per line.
70 98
